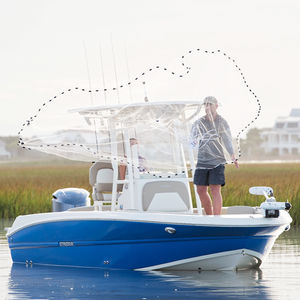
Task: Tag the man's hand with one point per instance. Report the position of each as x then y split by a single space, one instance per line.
235 161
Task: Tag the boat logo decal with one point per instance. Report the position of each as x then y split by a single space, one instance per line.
66 244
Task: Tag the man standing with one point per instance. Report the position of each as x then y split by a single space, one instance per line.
215 144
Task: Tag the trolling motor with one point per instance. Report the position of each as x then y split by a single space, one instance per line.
270 205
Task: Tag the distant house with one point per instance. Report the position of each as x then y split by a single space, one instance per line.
4 154
284 137
80 136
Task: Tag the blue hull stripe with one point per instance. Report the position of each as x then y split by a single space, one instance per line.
99 243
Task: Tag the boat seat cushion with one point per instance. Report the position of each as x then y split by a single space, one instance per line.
95 168
165 196
104 180
103 187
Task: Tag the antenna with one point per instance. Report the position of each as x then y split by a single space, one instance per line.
88 72
102 69
115 68
128 74
90 87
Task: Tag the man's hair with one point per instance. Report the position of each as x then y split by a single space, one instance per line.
210 99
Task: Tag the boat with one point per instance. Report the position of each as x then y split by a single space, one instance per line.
146 219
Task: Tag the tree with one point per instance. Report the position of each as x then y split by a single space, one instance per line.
251 147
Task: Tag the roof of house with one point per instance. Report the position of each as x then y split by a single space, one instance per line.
294 116
295 112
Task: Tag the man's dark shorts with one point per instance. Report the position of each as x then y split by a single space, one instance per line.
210 176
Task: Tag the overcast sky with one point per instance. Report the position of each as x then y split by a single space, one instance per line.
43 42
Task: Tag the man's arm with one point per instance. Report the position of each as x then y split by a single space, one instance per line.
227 140
194 136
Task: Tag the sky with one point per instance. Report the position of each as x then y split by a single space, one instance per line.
48 46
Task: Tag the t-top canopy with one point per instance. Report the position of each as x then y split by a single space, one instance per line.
146 111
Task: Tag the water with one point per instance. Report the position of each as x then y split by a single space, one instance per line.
278 278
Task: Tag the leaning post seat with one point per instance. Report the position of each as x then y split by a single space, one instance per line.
101 179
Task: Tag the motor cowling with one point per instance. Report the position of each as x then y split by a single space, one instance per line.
64 199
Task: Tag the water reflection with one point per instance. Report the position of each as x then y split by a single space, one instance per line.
38 282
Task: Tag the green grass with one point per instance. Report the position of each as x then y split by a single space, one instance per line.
283 178
28 188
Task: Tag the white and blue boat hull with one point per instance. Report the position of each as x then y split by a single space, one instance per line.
110 240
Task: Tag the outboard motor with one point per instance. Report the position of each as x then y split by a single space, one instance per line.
270 206
64 199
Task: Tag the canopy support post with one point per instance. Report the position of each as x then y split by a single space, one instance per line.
114 163
129 167
193 168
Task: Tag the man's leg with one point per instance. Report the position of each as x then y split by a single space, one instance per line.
217 198
205 199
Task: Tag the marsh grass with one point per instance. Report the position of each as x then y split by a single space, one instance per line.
28 189
284 178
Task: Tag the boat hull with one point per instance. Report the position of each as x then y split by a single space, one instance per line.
142 245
